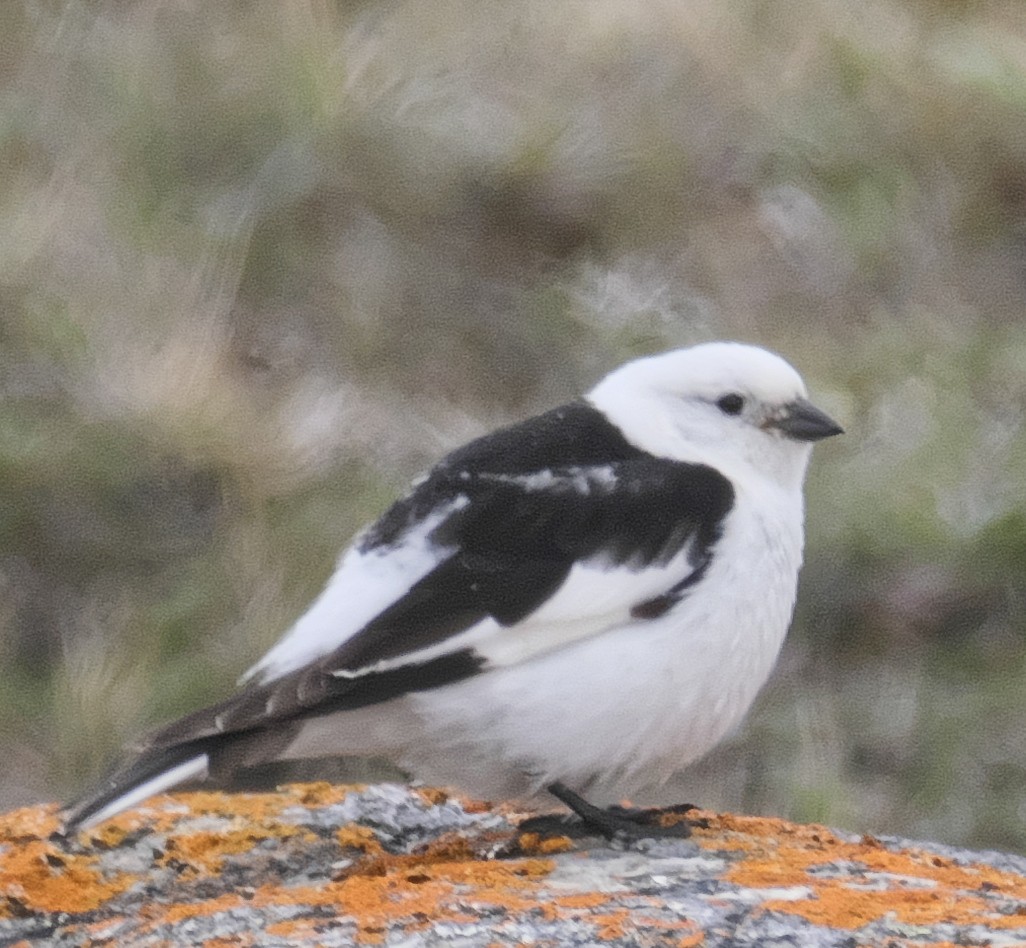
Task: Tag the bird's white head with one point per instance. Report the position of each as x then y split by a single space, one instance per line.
738 408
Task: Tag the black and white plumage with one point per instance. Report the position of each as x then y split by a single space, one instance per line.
589 599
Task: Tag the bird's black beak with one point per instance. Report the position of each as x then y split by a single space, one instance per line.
803 421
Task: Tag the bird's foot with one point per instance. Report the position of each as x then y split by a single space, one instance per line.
615 822
659 821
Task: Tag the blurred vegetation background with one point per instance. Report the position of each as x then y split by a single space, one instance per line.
262 263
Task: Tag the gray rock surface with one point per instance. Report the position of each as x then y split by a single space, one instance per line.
390 865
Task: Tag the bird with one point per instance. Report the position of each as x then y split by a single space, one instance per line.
579 604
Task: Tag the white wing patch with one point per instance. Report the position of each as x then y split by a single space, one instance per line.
363 585
584 480
594 598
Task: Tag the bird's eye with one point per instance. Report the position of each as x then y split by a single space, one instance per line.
731 404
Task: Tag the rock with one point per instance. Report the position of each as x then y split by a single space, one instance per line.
315 864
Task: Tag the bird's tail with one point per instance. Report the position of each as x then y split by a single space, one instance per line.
154 771
255 725
208 742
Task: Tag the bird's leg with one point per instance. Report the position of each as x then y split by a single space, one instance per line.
612 822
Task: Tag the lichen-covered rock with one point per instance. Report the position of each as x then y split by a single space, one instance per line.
388 865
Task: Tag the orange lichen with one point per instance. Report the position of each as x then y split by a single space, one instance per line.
544 845
109 835
317 794
432 796
164 812
295 928
692 941
838 883
450 890
205 852
252 807
377 901
179 911
37 876
445 879
354 836
576 900
781 854
612 925
30 822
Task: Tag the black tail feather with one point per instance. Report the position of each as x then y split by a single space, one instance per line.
124 786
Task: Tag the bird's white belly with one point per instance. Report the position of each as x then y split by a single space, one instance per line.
625 709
